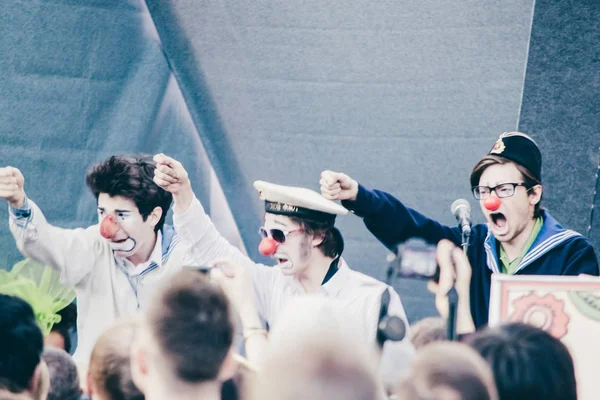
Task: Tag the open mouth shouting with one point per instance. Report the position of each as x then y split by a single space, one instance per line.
283 262
498 224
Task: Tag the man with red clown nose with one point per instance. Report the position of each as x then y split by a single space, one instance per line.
115 265
520 237
299 234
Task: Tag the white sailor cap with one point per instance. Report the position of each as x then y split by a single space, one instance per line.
297 202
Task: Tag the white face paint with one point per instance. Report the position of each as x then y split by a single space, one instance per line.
131 232
293 256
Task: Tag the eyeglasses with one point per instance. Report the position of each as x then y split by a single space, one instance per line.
503 190
278 235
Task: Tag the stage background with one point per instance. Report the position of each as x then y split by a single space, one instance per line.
403 96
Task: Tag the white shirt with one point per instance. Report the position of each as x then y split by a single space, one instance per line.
106 290
360 293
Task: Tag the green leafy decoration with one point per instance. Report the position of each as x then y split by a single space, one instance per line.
40 286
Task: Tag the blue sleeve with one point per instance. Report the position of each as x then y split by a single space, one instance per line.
392 222
21 216
582 259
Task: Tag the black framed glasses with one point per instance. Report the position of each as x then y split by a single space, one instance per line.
503 190
278 235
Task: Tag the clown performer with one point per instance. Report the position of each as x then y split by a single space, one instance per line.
115 265
519 238
299 234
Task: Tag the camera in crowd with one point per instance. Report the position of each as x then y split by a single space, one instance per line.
416 259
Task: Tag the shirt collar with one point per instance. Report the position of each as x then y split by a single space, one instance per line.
508 266
337 281
333 268
155 258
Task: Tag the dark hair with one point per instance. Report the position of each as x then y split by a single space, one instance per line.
333 243
110 365
64 378
191 303
21 343
528 363
132 178
529 179
67 322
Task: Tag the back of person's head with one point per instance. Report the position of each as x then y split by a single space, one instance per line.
188 332
40 386
21 344
109 373
527 362
131 178
60 335
315 354
428 330
64 378
448 371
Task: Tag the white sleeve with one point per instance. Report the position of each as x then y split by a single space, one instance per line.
71 252
206 244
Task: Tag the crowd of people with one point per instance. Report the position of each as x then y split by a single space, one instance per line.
177 312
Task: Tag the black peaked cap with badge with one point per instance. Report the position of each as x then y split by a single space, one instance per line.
521 149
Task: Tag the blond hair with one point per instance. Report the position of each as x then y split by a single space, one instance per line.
448 371
110 369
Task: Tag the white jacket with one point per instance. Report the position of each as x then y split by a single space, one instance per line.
105 290
360 294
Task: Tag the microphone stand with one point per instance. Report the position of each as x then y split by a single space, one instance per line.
452 306
466 236
453 296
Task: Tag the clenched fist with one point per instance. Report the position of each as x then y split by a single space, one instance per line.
170 174
338 186
11 186
172 177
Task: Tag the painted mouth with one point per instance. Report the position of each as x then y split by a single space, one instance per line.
123 245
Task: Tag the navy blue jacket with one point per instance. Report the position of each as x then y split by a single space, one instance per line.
556 251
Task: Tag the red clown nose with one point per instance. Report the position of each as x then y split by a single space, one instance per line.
492 203
267 247
109 227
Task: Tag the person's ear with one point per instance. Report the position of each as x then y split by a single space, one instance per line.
318 239
139 367
228 368
39 385
90 386
155 215
535 194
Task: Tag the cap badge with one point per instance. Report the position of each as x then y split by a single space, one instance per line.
498 148
276 206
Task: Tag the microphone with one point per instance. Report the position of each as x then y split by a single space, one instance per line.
390 327
461 209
